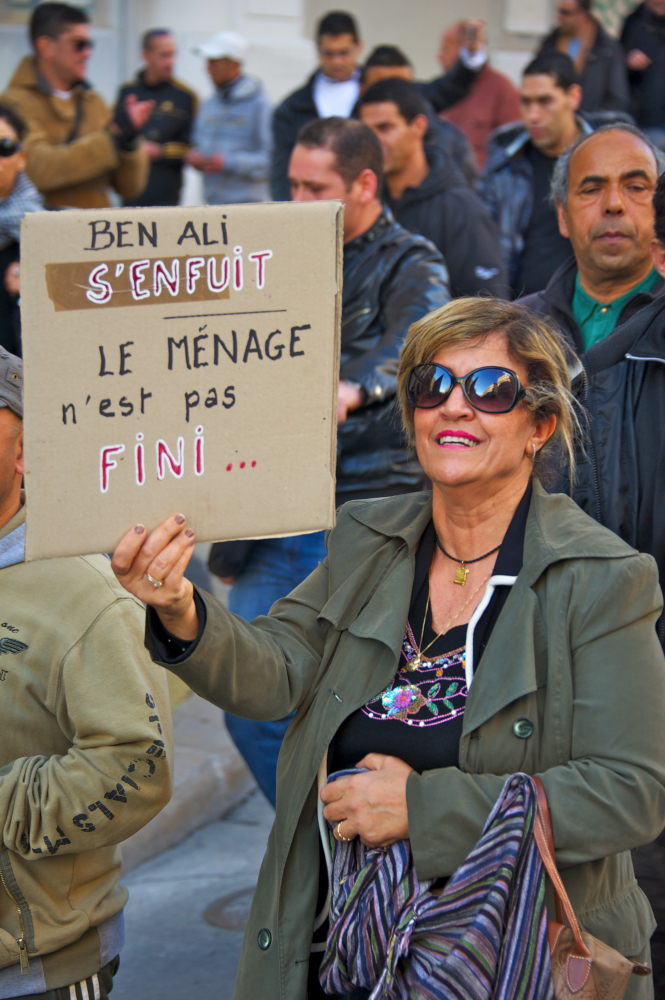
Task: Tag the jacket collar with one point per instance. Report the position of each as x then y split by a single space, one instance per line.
602 43
27 75
371 235
373 600
442 176
641 338
521 139
556 528
559 295
302 101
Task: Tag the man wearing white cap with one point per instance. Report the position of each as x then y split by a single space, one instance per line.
232 139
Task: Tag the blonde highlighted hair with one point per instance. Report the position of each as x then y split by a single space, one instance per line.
531 341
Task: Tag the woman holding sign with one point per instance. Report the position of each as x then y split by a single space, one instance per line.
448 640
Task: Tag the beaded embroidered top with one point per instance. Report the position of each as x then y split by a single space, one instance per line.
432 693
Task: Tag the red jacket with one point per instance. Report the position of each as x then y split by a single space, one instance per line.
492 101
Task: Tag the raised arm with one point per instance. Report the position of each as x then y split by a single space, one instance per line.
262 670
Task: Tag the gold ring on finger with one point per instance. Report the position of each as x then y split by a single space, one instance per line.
155 583
340 835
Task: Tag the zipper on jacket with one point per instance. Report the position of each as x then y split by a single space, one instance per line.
21 942
594 467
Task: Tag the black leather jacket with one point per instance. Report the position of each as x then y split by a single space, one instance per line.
391 279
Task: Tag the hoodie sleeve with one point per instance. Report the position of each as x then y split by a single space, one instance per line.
449 88
470 244
112 705
254 164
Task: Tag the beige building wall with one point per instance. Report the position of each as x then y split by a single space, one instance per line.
416 27
280 32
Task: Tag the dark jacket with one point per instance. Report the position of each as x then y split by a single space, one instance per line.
556 301
170 124
506 187
455 144
299 108
643 30
620 383
604 78
391 279
446 211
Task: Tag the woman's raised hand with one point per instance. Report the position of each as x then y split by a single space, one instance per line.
372 805
162 555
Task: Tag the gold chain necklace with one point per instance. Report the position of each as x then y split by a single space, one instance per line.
420 658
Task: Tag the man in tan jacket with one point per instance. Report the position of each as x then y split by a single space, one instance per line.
85 749
75 149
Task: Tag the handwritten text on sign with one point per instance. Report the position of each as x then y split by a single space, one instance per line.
180 359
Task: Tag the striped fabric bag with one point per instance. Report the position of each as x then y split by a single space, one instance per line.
483 936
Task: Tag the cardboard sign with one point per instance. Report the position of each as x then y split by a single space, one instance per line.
180 360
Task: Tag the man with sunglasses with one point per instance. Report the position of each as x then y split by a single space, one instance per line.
75 149
598 58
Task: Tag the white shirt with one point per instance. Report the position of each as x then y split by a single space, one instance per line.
335 97
64 95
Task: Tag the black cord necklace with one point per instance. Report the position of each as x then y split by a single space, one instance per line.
462 572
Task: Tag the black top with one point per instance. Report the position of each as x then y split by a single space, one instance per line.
419 716
545 249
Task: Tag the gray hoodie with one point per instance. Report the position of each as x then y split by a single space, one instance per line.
236 124
23 197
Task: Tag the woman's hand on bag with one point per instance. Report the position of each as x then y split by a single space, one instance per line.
162 555
372 805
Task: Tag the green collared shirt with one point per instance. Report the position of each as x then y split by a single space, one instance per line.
597 319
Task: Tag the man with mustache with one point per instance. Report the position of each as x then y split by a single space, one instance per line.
603 189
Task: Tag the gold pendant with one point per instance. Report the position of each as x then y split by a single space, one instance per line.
461 575
416 662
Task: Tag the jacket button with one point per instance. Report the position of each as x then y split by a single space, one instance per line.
264 939
523 728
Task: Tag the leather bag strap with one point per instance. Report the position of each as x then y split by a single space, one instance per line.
542 830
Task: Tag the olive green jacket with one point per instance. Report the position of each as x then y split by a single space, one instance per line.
574 651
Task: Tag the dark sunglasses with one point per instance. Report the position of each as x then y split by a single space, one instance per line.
9 146
490 390
83 44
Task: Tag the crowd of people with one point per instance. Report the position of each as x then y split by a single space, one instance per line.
503 279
